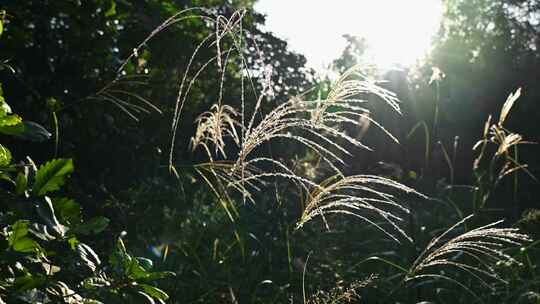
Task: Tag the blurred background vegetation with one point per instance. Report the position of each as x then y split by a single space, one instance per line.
59 58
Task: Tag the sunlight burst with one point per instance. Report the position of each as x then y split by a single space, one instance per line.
398 32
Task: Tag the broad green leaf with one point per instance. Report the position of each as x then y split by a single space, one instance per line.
27 282
93 226
68 210
26 245
136 271
15 130
126 264
5 109
19 230
133 270
154 292
5 156
18 239
51 176
10 120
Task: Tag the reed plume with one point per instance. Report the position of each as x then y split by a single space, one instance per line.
474 253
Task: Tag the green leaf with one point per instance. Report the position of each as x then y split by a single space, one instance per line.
136 271
5 156
93 226
2 16
112 9
73 242
68 210
126 264
26 245
51 176
18 239
154 292
10 120
13 130
19 230
133 270
28 282
21 183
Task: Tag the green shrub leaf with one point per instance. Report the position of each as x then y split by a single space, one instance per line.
51 176
25 245
112 10
19 230
16 130
68 210
18 239
28 282
10 120
154 292
93 226
5 156
21 183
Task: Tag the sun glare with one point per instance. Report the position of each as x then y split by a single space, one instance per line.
397 31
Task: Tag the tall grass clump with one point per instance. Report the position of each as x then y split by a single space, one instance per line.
317 125
474 253
360 197
497 154
236 141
